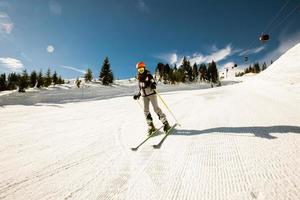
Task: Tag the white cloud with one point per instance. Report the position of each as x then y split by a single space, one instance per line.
216 55
252 51
143 7
74 69
50 49
6 24
11 64
55 8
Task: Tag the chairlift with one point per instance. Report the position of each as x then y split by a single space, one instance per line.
264 37
246 58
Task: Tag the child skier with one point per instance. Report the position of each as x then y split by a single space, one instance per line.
147 87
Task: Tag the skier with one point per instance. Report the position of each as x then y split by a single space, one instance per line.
147 87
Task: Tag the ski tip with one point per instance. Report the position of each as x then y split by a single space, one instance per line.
156 146
134 149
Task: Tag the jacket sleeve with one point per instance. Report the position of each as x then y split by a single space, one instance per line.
152 81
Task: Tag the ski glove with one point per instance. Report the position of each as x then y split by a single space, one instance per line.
137 96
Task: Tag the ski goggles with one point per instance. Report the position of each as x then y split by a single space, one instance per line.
141 70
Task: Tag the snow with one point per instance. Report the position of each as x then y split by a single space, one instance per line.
240 141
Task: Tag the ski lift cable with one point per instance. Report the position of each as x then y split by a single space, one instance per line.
276 16
272 21
286 17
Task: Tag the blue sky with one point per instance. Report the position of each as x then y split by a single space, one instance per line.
70 36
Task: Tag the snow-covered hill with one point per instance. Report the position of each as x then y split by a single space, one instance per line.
286 68
236 142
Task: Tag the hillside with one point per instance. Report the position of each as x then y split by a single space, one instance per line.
240 141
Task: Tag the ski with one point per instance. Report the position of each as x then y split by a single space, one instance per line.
147 138
157 146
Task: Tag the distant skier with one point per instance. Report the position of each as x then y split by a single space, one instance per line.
147 87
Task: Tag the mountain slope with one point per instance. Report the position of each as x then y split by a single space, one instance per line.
236 142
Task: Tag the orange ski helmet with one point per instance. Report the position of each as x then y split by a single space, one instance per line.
140 65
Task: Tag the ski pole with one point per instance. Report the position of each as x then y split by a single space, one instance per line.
140 104
167 106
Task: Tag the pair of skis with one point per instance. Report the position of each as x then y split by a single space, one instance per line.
158 145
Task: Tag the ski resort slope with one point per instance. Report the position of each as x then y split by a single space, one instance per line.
236 142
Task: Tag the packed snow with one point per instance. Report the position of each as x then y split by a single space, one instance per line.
239 141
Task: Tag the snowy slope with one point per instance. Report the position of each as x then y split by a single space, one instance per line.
286 68
236 142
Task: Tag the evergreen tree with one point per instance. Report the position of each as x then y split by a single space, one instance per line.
166 73
172 76
3 82
12 81
106 75
195 72
60 80
48 78
256 68
55 78
160 68
24 81
185 71
40 80
203 72
264 66
33 78
212 72
88 76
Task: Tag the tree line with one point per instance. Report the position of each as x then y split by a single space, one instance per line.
22 81
255 68
187 73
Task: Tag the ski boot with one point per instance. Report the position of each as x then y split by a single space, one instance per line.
151 128
166 126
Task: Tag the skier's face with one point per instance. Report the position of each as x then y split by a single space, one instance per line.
141 70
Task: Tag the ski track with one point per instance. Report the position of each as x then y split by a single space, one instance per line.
189 165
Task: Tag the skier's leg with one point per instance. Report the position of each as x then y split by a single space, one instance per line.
161 115
148 116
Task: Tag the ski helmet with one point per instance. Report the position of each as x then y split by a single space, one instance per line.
140 65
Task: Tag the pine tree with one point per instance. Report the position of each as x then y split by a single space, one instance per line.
106 75
256 68
264 66
40 80
88 76
3 82
24 81
48 78
33 79
187 69
160 68
195 72
12 81
166 73
60 80
212 72
171 76
203 72
54 78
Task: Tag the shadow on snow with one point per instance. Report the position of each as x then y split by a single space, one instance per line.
258 131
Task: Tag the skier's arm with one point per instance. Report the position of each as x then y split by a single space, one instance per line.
152 82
